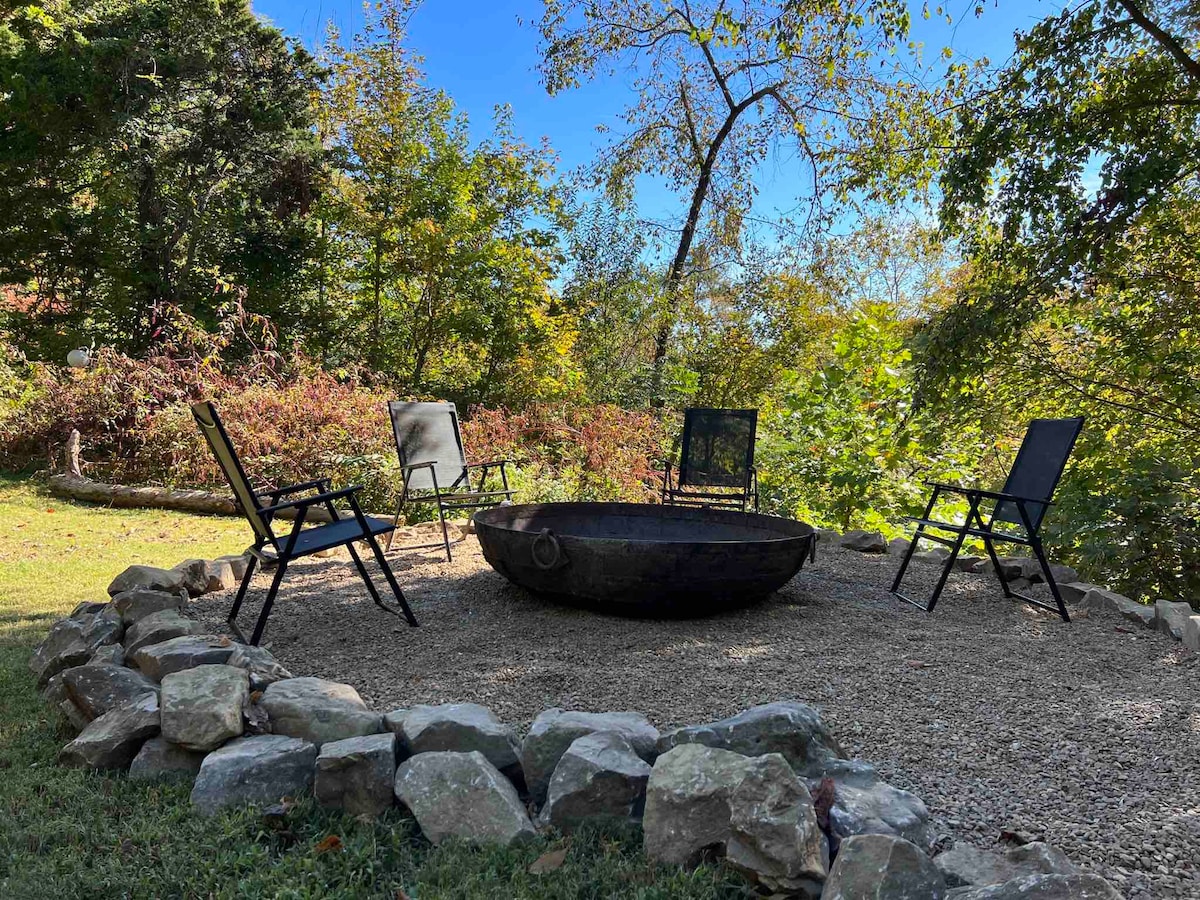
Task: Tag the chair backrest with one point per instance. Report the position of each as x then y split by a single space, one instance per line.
1038 467
718 447
218 441
428 432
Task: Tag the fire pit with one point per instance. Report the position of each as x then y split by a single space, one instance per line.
636 559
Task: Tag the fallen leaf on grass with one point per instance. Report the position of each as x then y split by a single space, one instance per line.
548 862
328 843
918 664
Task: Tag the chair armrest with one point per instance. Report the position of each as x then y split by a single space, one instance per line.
304 502
989 495
490 464
424 465
322 483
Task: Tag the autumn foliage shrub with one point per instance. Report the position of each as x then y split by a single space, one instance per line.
291 421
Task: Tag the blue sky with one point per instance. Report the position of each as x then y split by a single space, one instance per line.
479 52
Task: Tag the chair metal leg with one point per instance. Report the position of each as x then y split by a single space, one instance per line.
991 552
445 533
391 580
269 602
362 571
954 551
241 594
912 547
1045 564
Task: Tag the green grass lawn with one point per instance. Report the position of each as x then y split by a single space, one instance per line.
65 833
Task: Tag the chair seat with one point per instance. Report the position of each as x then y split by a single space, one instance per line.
466 495
970 531
335 534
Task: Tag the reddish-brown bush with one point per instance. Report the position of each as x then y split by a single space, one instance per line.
291 420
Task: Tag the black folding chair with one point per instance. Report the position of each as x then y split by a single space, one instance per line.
434 467
1026 496
300 541
716 460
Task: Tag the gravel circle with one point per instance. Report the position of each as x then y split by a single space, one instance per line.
996 714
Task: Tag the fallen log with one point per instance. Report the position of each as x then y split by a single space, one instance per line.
75 487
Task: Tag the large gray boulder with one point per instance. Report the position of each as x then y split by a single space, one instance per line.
202 707
1110 602
967 866
462 795
97 689
1042 887
864 541
357 774
554 730
599 776
318 710
160 760
964 865
150 578
158 627
72 642
753 811
461 727
259 770
937 556
1032 569
1170 618
880 867
185 652
263 668
865 804
134 605
112 741
1074 591
1191 633
237 564
194 573
1011 567
108 655
1038 857
794 730
219 575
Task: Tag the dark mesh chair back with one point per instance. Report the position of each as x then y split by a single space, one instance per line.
428 432
1038 467
718 447
214 432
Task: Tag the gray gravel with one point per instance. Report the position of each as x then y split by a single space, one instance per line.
997 715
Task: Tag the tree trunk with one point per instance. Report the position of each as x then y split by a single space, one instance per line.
671 283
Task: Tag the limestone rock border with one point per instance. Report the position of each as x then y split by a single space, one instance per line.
768 790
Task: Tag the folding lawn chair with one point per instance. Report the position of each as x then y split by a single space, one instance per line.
716 460
1026 496
434 467
301 541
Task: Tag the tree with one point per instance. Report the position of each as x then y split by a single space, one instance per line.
610 289
1073 191
718 86
155 154
436 255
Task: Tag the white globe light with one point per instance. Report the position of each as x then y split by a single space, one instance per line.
79 358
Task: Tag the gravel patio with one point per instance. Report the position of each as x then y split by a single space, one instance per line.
996 714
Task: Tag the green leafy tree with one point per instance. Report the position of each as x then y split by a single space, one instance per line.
435 255
1073 191
154 155
718 86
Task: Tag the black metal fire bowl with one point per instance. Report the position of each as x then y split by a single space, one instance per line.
643 560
